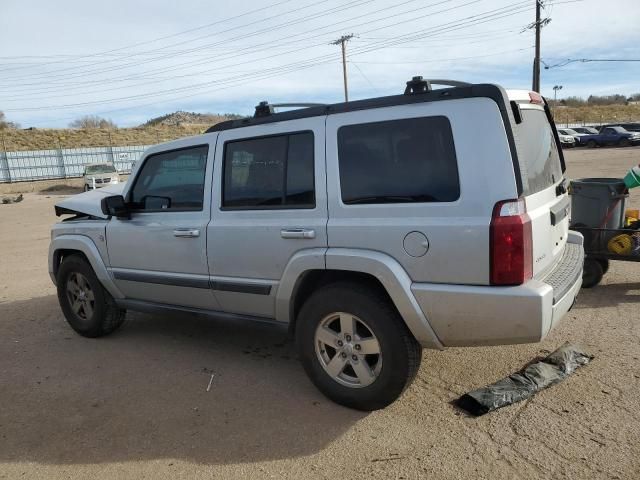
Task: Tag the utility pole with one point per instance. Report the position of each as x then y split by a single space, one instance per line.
341 41
537 25
536 60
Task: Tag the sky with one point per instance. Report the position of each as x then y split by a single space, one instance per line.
133 60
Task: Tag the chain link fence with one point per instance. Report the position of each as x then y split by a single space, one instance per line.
29 165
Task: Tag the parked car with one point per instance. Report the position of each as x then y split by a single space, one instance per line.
98 175
571 133
610 136
566 140
372 229
629 127
586 130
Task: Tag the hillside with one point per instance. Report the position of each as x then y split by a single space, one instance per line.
156 130
181 118
183 124
597 114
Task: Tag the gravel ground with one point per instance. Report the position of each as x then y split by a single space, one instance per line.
135 405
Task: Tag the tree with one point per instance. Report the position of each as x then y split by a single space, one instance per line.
92 121
6 124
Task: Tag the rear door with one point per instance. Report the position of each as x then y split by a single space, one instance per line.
541 169
269 203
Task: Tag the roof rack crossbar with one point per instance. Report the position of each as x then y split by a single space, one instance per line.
422 85
264 109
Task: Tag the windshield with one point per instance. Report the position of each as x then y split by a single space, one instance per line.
538 155
568 131
92 169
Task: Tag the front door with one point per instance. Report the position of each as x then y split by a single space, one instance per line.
159 255
269 203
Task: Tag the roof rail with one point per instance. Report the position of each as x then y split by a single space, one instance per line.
265 108
421 85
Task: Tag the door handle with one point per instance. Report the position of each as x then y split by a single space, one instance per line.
297 233
186 232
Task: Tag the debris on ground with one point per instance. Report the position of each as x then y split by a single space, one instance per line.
210 382
521 385
7 200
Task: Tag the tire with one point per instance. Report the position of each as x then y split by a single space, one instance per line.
373 319
592 273
592 144
77 284
624 142
86 187
604 263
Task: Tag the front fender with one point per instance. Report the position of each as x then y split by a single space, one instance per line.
85 245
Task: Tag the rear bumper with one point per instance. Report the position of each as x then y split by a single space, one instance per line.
462 315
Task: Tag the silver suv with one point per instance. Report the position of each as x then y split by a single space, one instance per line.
372 228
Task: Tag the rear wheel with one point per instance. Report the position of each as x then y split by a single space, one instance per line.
355 346
592 273
604 263
89 309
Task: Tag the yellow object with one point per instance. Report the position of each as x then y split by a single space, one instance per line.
620 244
632 213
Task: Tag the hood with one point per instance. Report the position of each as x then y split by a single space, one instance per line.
88 203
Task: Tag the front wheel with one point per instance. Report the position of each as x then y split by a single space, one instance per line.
592 144
624 142
355 347
89 309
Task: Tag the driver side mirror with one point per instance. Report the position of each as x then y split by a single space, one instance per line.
115 206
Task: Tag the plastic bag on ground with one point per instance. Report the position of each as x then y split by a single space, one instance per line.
521 385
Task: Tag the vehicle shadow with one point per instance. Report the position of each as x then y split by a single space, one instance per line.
141 393
608 295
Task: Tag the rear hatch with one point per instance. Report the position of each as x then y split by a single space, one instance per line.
543 185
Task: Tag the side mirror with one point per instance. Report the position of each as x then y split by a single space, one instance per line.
115 206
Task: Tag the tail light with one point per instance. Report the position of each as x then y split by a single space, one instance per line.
510 243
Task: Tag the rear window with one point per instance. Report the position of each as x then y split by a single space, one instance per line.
398 161
538 153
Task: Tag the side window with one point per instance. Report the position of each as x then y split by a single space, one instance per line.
398 161
171 180
269 172
610 131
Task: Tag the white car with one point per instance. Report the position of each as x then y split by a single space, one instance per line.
98 175
569 132
566 140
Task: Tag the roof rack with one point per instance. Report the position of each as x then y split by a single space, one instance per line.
418 90
422 85
264 109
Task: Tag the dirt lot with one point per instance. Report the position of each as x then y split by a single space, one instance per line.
135 405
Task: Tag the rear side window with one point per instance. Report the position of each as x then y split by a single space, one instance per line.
538 153
269 172
171 180
398 161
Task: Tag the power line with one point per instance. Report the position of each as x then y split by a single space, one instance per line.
447 26
79 72
587 60
184 32
263 47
